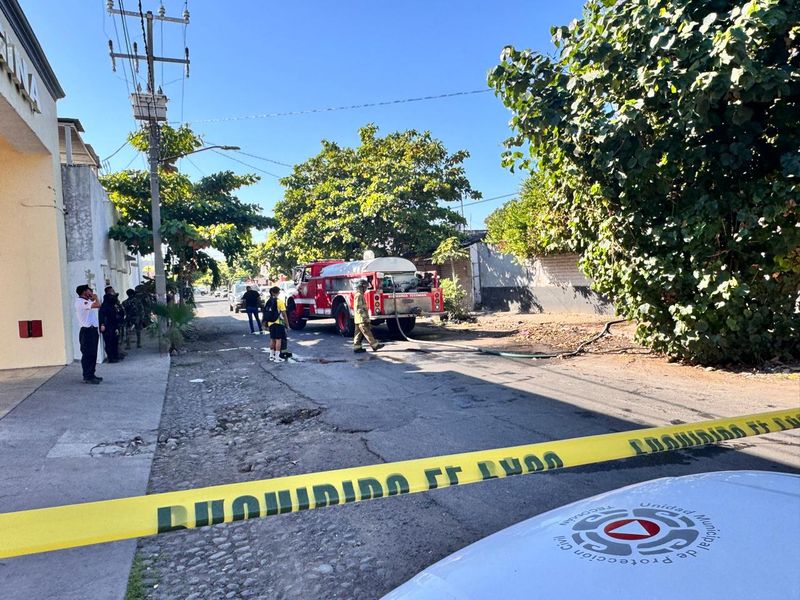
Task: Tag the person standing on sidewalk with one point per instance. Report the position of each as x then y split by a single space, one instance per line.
86 306
134 318
361 318
109 325
252 304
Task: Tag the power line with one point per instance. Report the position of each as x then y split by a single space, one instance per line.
130 162
269 160
489 199
130 62
191 162
115 151
128 47
229 157
337 108
183 74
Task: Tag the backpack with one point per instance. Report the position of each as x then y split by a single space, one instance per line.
271 312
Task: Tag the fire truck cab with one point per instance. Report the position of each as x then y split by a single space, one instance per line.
396 294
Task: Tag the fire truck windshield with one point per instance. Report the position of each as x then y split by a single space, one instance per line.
401 282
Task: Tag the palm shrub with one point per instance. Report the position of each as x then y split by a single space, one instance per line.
177 320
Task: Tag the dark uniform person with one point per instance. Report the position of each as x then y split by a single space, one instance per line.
134 317
252 304
361 319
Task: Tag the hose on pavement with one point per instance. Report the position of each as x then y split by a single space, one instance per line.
579 350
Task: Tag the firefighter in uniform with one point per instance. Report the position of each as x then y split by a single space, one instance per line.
361 319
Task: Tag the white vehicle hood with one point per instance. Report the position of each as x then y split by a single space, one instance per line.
728 535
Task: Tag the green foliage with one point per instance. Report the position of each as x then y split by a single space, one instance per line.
667 132
173 143
249 265
383 195
178 319
454 297
194 215
529 225
449 250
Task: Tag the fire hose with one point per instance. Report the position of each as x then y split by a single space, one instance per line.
579 350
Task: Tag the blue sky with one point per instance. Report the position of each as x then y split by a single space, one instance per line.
255 57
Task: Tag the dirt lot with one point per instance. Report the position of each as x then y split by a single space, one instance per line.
534 333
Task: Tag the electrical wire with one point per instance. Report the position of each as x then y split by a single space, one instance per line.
269 160
183 73
121 47
128 47
191 162
115 151
162 46
130 162
489 199
229 157
338 108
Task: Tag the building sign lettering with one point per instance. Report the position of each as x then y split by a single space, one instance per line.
13 62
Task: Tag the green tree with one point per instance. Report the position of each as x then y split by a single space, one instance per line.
194 215
450 250
249 264
383 195
668 131
529 225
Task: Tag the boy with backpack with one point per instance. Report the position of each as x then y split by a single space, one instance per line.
275 319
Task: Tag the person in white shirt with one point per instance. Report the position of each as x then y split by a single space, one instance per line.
86 306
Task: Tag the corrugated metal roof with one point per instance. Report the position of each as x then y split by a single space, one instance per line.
384 264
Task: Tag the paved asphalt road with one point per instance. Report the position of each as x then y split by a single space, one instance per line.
249 419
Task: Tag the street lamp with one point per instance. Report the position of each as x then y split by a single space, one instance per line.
158 257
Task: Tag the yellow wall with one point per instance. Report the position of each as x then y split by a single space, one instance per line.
32 262
33 268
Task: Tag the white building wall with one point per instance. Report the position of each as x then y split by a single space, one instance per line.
92 257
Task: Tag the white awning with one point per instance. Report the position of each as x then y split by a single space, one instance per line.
383 264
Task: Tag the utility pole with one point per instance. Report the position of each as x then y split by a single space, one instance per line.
151 107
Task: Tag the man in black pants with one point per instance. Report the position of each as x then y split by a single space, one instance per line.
86 306
252 304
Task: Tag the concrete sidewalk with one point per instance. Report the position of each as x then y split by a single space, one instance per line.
68 442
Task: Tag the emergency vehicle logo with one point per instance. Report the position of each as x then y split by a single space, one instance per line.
640 531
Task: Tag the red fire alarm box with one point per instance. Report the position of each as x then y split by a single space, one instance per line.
30 329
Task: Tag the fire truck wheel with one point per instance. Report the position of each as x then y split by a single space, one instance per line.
344 321
296 323
407 323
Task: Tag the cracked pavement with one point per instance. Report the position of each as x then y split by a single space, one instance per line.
230 416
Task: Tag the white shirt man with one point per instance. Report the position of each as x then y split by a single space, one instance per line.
86 309
86 305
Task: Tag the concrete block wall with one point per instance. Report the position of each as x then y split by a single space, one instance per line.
552 283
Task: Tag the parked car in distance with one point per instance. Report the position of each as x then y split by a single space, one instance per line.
237 290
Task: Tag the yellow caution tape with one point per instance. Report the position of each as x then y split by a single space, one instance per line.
41 530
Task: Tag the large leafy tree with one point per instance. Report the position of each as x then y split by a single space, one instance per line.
529 225
668 133
383 195
195 215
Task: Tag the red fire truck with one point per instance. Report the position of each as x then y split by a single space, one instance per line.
397 294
